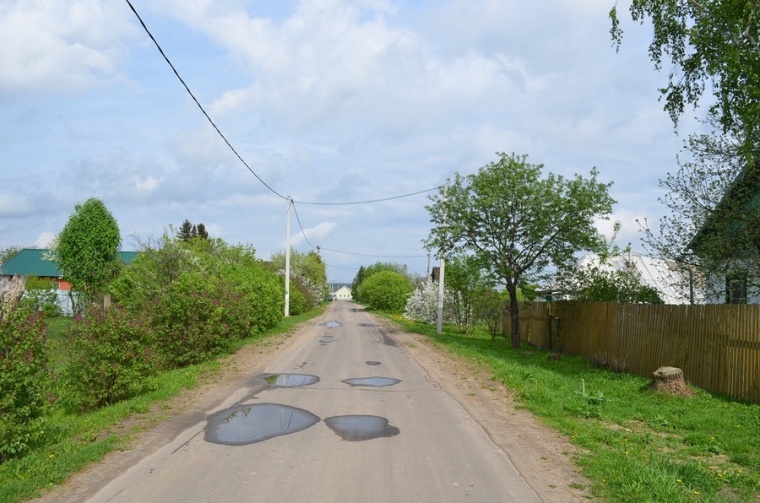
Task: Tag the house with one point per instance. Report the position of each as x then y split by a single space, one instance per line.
37 262
675 283
728 243
342 293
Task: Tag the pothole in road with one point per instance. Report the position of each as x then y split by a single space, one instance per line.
332 324
327 339
377 382
290 380
249 424
372 362
358 428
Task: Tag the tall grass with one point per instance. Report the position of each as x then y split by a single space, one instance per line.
639 445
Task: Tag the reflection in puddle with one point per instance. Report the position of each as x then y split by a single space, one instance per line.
332 324
371 381
372 362
290 380
248 424
357 428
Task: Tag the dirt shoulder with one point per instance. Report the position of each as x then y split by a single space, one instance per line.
543 458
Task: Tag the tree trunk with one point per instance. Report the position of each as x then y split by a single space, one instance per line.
670 380
514 315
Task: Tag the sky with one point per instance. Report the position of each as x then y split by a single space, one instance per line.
326 101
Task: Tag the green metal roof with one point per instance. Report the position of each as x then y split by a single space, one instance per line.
32 262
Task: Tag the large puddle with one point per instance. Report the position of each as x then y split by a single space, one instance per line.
358 428
290 380
332 324
248 424
372 381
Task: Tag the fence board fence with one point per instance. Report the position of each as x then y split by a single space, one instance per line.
717 346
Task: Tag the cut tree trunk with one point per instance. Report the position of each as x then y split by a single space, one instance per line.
670 380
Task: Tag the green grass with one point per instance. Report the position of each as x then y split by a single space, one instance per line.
74 441
637 445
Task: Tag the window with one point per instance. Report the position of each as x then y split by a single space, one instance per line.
736 290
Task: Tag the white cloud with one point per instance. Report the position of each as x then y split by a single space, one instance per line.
58 46
44 240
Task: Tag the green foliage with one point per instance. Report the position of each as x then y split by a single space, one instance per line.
196 318
41 295
301 299
365 272
86 249
467 281
386 291
713 44
111 353
263 294
489 309
599 285
308 269
23 381
516 222
201 296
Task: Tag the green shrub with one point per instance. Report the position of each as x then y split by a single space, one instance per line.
23 380
264 293
41 295
386 291
301 299
197 318
111 354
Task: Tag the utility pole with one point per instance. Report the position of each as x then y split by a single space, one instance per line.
428 269
287 259
439 325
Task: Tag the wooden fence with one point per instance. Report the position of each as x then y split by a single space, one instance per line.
717 346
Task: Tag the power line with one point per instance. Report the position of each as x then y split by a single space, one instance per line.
199 104
372 255
298 219
374 200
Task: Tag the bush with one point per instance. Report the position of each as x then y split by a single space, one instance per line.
300 298
111 354
263 292
386 291
197 318
422 305
23 380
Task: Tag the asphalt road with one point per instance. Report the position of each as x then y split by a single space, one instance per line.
345 416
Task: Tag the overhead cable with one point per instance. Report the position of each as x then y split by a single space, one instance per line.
198 103
298 219
371 255
374 200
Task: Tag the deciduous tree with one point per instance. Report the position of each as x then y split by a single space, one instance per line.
516 222
87 247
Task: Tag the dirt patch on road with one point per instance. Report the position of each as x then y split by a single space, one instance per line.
544 459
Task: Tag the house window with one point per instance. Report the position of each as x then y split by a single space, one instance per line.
736 290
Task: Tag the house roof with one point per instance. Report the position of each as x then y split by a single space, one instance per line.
33 262
742 195
665 276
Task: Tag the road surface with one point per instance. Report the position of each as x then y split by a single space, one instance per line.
344 416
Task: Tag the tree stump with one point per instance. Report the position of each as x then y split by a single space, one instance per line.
670 380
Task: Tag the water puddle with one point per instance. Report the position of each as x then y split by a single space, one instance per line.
387 339
290 380
248 424
358 428
332 324
377 382
327 339
372 362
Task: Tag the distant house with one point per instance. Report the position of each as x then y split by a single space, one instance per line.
342 293
36 262
674 282
730 241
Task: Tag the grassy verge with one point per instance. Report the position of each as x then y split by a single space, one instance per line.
640 446
77 440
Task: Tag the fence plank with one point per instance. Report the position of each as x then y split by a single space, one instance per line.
717 346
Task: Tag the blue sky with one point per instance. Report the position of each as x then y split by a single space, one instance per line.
327 101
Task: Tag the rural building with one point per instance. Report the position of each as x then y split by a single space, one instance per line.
730 240
342 293
674 282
